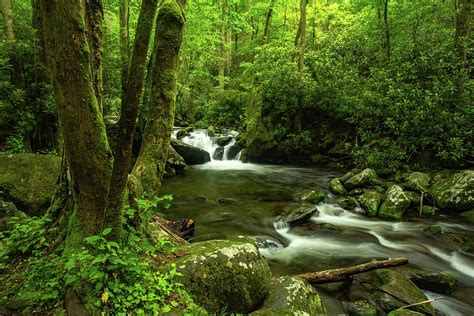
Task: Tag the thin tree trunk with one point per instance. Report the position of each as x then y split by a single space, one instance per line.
8 19
94 18
86 146
149 167
128 117
386 30
268 20
222 63
462 36
228 51
124 42
341 274
298 114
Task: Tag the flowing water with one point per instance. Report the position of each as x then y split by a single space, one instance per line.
229 199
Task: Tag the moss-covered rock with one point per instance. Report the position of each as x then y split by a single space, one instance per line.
292 296
311 196
8 211
336 187
361 179
404 312
362 308
439 282
224 140
469 215
224 275
395 204
418 181
348 203
389 289
454 192
370 201
428 210
414 198
297 215
29 180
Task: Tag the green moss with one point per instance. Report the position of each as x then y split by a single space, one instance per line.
469 215
336 187
404 312
362 308
224 275
312 196
455 191
395 204
370 201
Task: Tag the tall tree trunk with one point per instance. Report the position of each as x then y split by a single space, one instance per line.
8 19
298 115
149 167
462 40
124 42
268 20
222 63
382 16
86 146
128 117
94 17
228 51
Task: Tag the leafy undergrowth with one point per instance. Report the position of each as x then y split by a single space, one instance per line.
112 278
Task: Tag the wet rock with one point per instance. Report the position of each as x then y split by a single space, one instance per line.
224 140
29 181
370 201
224 275
388 289
428 210
348 203
292 296
455 192
8 212
311 196
361 308
414 198
434 229
346 176
234 150
175 160
469 215
211 131
395 204
184 132
336 187
360 179
218 153
191 155
356 192
226 201
298 215
330 228
439 282
418 181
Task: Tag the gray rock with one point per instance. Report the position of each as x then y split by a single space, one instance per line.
224 140
218 153
191 155
298 215
361 179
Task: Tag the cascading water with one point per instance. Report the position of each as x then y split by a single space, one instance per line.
200 138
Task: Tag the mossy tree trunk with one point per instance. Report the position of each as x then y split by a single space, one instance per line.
268 20
124 41
128 117
150 165
302 48
87 150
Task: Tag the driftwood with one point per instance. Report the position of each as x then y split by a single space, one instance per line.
341 274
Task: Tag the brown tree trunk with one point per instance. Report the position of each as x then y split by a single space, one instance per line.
8 19
149 167
86 146
299 114
341 274
128 117
124 42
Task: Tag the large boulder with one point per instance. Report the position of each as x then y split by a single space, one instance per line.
388 289
455 192
336 187
370 201
234 150
361 179
292 296
418 181
223 275
175 160
439 282
395 204
224 140
191 155
219 153
29 181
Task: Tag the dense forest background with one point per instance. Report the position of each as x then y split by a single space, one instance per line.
378 82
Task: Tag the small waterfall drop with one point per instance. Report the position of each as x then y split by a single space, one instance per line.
200 138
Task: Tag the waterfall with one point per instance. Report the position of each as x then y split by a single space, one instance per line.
200 138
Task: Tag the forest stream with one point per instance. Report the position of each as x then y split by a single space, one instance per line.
229 198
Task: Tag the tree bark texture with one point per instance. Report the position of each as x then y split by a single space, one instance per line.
8 19
341 274
149 167
86 146
129 111
124 42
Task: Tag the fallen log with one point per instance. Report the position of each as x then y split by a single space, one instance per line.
342 274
